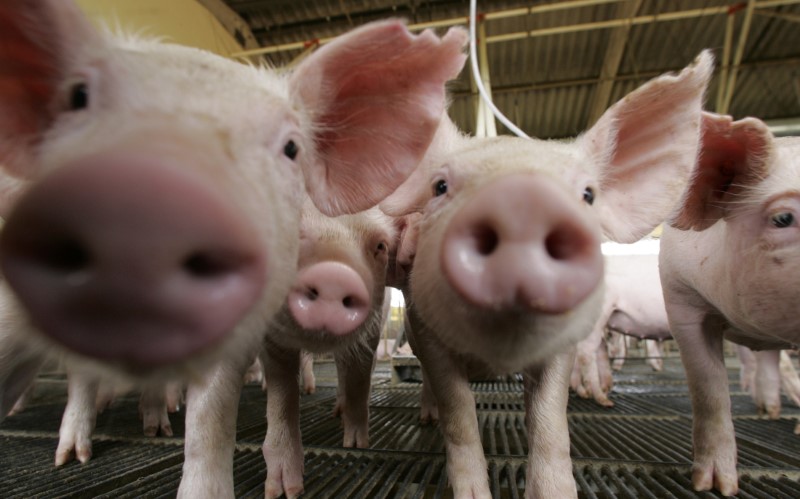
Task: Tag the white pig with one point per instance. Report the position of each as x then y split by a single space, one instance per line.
763 374
728 274
335 306
508 271
167 182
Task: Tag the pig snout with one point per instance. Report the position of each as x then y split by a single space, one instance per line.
522 243
131 259
329 296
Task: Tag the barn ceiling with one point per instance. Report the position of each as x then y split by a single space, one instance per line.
554 66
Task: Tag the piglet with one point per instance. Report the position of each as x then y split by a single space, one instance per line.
727 262
508 272
166 183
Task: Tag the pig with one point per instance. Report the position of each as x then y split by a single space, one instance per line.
165 183
507 271
86 399
725 263
335 305
764 374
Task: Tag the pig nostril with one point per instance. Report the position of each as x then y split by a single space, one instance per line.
348 302
204 265
65 255
486 239
562 244
312 294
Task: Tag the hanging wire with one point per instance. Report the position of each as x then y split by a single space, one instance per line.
473 55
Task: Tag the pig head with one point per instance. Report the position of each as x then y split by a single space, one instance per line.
165 183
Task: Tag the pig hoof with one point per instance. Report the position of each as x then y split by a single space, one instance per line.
797 429
310 390
707 478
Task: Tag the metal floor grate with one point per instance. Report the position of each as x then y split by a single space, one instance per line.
639 448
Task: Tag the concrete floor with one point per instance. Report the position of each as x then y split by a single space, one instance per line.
639 448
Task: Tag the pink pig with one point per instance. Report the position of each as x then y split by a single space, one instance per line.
725 274
507 271
166 183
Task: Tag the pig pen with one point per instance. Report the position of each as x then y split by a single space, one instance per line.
639 448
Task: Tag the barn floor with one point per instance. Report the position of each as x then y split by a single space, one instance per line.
639 448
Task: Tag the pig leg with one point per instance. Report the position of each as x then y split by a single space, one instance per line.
458 419
428 409
354 369
307 367
747 369
283 449
699 337
619 349
22 401
174 396
153 411
790 381
549 472
254 374
655 357
767 388
77 425
604 369
212 406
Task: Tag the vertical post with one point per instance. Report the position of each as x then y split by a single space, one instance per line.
726 57
737 58
483 61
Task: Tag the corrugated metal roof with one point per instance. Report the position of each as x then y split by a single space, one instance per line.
547 84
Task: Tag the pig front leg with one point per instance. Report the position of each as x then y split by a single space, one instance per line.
428 410
283 449
80 415
212 406
307 367
458 419
655 357
153 411
699 337
767 386
549 472
354 370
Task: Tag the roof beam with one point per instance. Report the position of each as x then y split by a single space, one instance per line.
231 21
618 38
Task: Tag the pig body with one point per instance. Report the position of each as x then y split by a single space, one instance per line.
507 271
726 277
335 306
166 183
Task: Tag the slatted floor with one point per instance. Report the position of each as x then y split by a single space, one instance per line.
639 448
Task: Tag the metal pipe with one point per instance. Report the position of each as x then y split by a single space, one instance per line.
737 58
726 57
613 23
483 62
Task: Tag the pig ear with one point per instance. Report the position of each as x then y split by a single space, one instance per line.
36 40
646 146
734 155
376 96
410 197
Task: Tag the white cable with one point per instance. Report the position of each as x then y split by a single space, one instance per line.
473 55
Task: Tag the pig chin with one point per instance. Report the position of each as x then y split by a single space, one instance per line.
505 340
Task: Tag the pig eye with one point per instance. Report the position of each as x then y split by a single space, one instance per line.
440 188
291 150
782 220
588 195
78 96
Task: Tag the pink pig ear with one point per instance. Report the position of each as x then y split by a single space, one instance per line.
37 39
646 146
734 155
376 96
